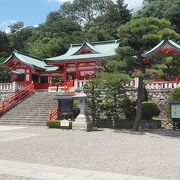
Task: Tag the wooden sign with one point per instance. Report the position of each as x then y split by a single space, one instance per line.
175 111
64 123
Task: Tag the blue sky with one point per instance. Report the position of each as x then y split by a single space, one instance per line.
33 12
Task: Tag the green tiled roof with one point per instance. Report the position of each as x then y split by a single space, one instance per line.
32 61
160 45
99 50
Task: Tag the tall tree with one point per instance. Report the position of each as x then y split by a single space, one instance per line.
18 36
4 74
83 11
4 44
166 66
137 36
104 27
168 9
53 37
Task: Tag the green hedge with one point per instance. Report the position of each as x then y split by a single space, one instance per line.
56 124
149 110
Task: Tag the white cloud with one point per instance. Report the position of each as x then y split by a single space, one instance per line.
36 26
134 4
5 23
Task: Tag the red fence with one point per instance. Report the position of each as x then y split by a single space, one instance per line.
16 97
53 114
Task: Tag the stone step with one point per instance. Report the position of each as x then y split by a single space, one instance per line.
27 117
33 110
27 121
24 124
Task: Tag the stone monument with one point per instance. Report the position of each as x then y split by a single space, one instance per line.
80 122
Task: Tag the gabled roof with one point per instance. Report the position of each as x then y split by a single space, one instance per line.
30 60
98 50
165 44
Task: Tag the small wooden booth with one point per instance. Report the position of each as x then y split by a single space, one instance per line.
65 106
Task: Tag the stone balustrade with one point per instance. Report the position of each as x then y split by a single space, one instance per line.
163 85
10 87
78 84
155 85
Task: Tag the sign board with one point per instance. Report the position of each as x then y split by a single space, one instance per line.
175 111
64 123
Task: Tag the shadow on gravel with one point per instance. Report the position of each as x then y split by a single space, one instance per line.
159 132
165 132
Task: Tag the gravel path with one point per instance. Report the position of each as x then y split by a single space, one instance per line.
153 154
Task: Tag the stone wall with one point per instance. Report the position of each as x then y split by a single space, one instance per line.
159 96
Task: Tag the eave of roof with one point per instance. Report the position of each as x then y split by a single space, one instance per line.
100 50
30 60
160 46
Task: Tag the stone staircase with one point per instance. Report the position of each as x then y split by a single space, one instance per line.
32 111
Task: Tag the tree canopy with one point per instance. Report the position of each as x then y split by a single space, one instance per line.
138 36
168 9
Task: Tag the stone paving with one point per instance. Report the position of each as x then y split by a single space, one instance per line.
120 154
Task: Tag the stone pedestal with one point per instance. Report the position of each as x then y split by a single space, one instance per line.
80 122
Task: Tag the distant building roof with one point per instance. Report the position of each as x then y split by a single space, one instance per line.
88 51
166 46
30 60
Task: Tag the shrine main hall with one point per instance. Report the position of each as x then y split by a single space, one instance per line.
80 63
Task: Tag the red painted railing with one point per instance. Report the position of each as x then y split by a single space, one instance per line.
16 97
53 114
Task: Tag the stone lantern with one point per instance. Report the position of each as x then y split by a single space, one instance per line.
80 121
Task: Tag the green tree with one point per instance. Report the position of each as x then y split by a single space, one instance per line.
4 44
105 25
83 11
57 80
19 35
4 74
164 66
168 9
138 36
92 89
106 94
53 37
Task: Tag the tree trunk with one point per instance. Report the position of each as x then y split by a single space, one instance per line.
93 111
139 105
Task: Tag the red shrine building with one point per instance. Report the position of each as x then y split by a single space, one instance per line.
79 63
164 47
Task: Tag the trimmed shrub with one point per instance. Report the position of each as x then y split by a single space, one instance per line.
53 124
149 110
56 124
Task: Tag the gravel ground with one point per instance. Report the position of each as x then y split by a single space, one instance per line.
154 154
9 177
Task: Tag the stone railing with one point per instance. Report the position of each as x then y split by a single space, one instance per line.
78 84
155 85
163 85
10 87
6 86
